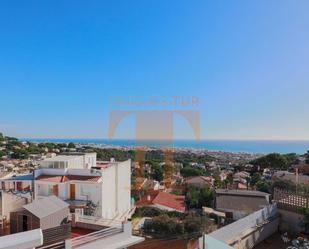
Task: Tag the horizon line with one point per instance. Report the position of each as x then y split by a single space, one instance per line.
176 139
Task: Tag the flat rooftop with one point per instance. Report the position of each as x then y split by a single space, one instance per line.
241 192
18 177
62 158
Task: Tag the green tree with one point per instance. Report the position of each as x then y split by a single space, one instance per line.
206 197
33 149
198 197
2 153
263 186
191 171
193 224
11 138
255 178
164 225
273 161
157 172
20 154
71 145
282 184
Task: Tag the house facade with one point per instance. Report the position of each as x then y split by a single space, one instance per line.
104 193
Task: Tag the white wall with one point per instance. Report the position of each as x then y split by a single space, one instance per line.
112 194
259 235
88 191
90 160
108 193
82 191
290 221
71 162
11 203
116 190
25 240
124 186
76 163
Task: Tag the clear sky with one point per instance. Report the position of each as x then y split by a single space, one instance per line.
247 61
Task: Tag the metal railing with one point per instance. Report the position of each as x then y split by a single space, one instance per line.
99 221
95 236
59 245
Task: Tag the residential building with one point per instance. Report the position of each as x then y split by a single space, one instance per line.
239 203
200 181
16 182
163 200
241 177
103 193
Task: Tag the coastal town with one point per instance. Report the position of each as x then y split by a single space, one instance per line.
70 195
154 124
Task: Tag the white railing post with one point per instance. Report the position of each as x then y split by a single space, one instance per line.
68 244
127 227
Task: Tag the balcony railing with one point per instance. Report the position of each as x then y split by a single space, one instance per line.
95 236
98 221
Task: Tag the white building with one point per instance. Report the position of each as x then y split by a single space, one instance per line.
107 191
70 161
25 240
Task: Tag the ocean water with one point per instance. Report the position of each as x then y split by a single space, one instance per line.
250 146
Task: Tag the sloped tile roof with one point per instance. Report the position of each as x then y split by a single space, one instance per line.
176 202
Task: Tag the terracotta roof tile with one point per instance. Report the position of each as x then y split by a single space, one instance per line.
176 202
147 198
151 197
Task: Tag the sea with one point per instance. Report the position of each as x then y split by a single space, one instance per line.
248 146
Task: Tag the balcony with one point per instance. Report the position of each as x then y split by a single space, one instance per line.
113 233
76 204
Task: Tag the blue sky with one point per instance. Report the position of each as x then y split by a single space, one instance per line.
247 61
